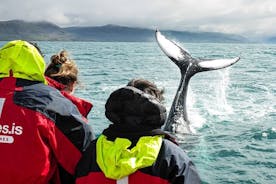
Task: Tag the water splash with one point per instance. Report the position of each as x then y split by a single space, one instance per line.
215 103
221 106
180 126
196 119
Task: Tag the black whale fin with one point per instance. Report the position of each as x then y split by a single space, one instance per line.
188 67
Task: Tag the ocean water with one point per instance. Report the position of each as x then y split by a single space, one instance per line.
232 110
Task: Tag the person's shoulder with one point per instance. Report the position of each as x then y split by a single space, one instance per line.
178 163
45 99
171 146
170 150
44 92
34 88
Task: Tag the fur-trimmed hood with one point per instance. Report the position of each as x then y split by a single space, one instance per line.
133 111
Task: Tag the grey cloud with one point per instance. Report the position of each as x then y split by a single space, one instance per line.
235 16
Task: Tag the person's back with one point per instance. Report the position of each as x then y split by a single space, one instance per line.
134 149
38 126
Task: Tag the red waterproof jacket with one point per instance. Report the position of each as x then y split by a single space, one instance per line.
40 129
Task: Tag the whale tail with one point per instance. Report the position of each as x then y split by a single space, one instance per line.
180 56
188 67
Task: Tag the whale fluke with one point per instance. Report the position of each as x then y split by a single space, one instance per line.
188 66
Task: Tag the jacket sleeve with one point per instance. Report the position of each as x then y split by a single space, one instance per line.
69 137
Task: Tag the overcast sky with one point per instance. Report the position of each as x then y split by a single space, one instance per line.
245 17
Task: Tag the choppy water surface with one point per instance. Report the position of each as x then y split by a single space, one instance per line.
233 111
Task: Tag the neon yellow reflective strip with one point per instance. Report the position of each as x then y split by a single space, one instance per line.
23 59
117 161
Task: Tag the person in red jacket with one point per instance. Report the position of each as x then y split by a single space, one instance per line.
134 149
62 73
40 129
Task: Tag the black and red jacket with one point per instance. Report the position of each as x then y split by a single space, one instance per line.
135 115
40 130
171 166
83 105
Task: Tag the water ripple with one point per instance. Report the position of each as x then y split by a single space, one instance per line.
228 153
267 134
255 148
236 147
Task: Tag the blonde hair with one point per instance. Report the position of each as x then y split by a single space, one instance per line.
62 68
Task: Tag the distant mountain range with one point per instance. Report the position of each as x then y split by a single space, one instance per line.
46 31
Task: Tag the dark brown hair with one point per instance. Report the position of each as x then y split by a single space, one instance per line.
147 87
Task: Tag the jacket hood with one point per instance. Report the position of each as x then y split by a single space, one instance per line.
117 160
22 60
131 107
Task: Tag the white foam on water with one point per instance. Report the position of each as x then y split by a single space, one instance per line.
217 103
194 116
